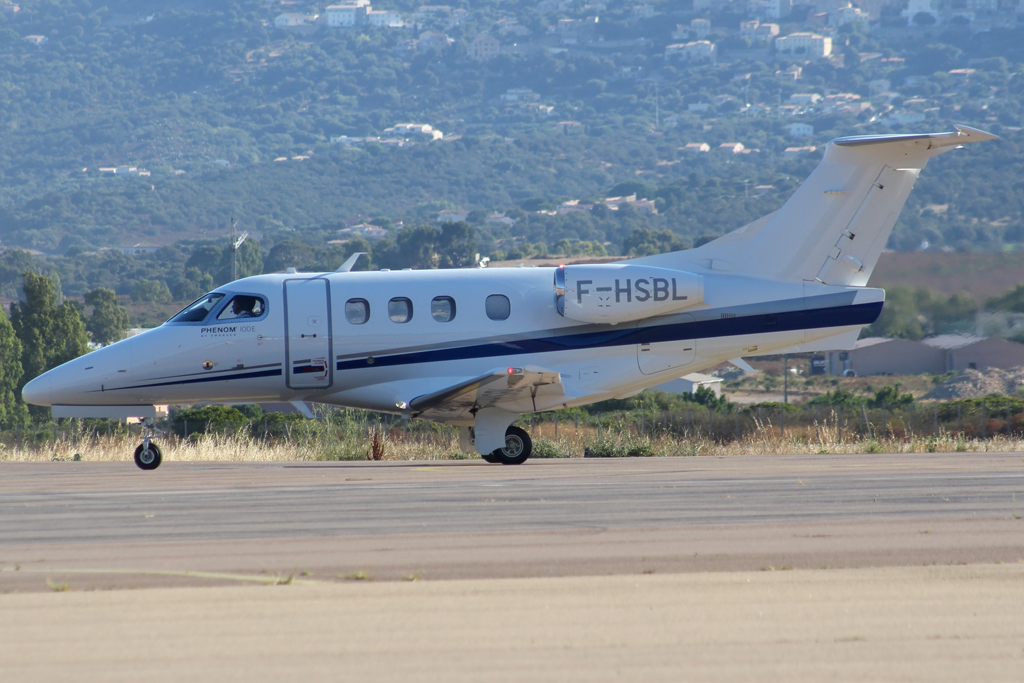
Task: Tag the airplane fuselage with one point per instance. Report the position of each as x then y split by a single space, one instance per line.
477 348
306 344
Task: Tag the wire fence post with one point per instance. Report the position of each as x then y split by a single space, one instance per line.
867 425
736 415
711 425
959 420
982 420
782 421
935 420
839 423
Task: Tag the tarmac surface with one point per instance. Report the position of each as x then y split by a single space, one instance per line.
111 525
899 567
960 623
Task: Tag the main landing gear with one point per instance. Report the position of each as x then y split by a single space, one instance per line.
148 455
517 449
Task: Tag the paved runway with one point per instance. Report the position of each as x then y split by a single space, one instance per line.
110 525
933 624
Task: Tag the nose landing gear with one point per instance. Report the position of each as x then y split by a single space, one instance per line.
148 455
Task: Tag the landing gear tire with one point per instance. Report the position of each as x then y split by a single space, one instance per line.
148 456
518 447
490 458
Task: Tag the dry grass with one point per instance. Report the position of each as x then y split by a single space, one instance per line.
379 444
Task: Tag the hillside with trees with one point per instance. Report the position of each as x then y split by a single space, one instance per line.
158 122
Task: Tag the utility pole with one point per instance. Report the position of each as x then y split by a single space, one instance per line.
235 244
785 378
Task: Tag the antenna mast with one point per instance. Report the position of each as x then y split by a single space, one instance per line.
235 244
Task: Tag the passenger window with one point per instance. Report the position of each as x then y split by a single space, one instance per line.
357 311
197 311
400 310
442 309
244 306
498 307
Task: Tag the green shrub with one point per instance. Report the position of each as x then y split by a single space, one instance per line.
545 448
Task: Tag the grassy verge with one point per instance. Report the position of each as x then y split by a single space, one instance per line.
375 443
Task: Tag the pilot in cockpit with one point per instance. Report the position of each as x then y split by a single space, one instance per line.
246 307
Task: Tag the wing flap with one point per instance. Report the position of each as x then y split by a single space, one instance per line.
514 389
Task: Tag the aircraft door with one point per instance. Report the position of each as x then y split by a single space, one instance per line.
308 347
657 357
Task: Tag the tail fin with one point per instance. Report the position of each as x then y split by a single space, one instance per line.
836 224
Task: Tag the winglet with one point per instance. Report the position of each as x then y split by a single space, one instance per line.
742 365
350 262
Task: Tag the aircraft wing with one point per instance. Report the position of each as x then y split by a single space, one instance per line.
514 389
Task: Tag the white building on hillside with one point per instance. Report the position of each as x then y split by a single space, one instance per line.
417 131
697 51
800 130
292 20
807 45
385 17
347 15
483 47
849 15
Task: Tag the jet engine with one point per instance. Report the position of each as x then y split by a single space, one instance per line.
617 293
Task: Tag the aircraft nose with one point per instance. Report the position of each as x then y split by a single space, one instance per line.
39 391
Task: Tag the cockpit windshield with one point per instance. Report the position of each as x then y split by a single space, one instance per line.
197 311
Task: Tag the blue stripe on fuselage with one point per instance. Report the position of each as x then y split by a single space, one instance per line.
783 321
199 380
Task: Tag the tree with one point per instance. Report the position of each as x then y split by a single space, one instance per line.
456 245
193 284
50 333
890 397
151 291
1012 300
417 247
109 320
643 242
208 258
249 260
899 317
13 263
924 19
11 411
289 253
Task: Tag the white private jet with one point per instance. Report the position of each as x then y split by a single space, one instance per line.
478 348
